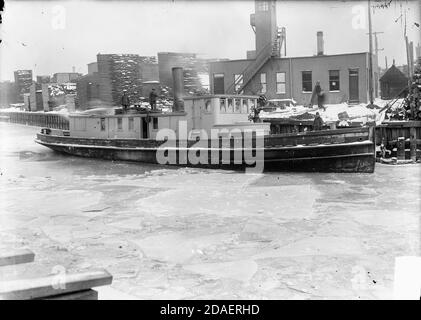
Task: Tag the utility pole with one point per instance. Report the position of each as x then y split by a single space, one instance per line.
376 63
370 37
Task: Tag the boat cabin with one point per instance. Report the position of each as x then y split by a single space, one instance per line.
198 113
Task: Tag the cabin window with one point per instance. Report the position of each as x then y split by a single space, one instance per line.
119 123
245 106
307 81
263 86
333 80
237 105
102 124
280 83
238 81
131 124
230 108
222 106
155 123
208 106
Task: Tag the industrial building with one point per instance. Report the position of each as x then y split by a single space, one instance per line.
87 88
118 72
23 81
43 79
267 70
7 93
65 77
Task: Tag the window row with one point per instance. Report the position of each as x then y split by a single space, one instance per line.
280 82
306 78
307 81
130 124
234 105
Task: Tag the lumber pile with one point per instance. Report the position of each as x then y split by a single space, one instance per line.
411 106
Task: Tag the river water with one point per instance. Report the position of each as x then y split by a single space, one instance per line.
179 233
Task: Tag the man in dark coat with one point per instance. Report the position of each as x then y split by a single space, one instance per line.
152 99
318 122
125 102
318 93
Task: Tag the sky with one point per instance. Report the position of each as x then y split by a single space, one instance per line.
55 36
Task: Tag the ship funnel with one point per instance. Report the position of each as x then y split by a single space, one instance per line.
320 43
178 88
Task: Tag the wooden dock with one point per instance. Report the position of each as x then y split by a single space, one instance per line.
402 135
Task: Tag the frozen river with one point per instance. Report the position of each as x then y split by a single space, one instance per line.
177 233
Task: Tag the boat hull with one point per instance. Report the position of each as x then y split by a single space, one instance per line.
336 152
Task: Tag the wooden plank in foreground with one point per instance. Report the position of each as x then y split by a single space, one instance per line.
53 285
16 257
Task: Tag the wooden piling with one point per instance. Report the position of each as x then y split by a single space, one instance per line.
413 143
401 148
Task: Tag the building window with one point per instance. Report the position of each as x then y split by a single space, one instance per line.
263 83
119 123
280 82
102 124
307 81
333 80
218 83
238 81
131 124
262 6
155 123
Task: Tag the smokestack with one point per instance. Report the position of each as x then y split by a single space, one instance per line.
73 69
320 43
178 88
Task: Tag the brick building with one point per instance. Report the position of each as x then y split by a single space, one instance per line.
267 70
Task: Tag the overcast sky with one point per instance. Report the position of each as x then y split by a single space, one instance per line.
54 36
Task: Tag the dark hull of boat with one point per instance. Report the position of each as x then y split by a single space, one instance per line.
345 151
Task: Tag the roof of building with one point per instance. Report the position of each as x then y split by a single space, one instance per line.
393 74
302 57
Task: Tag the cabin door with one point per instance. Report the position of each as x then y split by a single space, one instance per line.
145 128
353 86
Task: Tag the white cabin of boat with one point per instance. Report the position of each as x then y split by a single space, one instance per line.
199 113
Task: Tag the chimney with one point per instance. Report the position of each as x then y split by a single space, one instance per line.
73 69
320 43
178 89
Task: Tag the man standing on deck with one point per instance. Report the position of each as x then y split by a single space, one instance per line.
125 102
318 122
152 99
